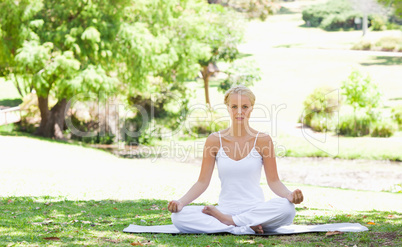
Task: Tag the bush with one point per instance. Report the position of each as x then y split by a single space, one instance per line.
397 115
383 129
351 126
322 101
363 45
339 15
339 21
361 92
378 23
322 122
389 43
204 123
315 14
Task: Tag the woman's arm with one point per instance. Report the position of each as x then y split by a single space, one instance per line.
207 168
271 173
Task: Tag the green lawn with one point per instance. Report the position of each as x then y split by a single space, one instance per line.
27 221
87 197
9 95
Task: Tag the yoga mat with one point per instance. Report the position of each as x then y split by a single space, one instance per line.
290 229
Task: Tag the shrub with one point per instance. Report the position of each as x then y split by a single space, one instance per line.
322 122
378 23
322 101
362 45
204 123
315 14
361 92
396 114
389 43
339 21
350 125
383 129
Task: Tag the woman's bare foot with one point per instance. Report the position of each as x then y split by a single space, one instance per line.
258 229
224 218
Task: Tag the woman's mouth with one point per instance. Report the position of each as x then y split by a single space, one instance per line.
239 118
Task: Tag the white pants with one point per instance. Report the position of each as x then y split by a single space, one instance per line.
270 215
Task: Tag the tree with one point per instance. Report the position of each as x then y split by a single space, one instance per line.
64 48
225 33
396 4
361 93
367 7
251 8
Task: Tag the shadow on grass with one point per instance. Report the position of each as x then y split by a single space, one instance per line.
10 102
285 11
384 60
30 220
6 130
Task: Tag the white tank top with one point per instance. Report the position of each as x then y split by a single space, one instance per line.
240 180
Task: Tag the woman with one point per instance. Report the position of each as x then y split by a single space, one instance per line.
241 208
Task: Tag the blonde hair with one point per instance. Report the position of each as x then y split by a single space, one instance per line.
239 89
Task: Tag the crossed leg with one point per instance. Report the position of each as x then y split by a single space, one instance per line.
265 216
227 219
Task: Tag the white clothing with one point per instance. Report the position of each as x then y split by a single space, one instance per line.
241 196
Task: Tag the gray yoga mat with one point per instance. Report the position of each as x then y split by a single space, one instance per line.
290 229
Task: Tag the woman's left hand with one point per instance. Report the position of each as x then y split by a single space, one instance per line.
295 197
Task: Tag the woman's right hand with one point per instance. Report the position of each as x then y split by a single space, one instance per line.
175 206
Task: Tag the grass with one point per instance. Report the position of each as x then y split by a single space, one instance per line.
27 221
88 197
8 92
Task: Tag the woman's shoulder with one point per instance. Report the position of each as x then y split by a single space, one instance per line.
263 138
213 139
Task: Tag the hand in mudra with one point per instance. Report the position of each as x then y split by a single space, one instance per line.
175 206
295 197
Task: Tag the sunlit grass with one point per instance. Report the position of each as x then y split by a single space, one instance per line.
100 223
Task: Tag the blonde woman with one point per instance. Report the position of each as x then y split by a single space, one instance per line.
240 152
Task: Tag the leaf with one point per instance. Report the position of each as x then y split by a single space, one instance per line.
137 243
52 238
331 233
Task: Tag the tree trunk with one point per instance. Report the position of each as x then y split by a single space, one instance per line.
205 76
52 122
365 23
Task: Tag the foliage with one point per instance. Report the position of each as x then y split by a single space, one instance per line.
386 43
362 45
355 126
397 115
323 122
243 72
390 43
341 21
65 49
319 107
378 23
396 4
253 8
339 15
224 32
200 125
315 14
383 128
361 92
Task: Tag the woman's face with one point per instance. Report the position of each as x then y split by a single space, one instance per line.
239 107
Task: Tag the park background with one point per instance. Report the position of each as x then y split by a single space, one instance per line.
72 190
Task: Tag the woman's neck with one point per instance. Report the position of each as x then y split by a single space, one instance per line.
239 130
